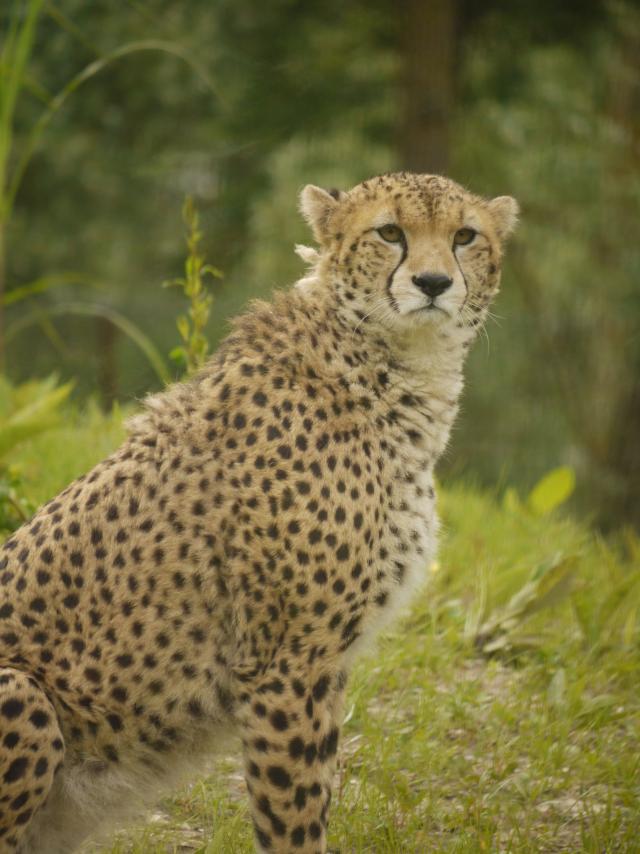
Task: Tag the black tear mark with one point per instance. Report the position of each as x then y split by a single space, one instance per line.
464 279
405 252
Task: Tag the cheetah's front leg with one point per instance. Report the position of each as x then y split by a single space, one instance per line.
31 752
290 727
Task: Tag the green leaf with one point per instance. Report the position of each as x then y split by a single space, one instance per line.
183 327
552 490
548 585
179 356
33 418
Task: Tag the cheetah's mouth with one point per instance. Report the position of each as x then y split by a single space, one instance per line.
430 308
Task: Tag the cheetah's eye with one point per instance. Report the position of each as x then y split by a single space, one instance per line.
391 233
463 236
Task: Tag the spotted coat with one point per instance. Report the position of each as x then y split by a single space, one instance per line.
259 524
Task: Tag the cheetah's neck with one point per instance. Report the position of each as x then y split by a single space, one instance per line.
414 381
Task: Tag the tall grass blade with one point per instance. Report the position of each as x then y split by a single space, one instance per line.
47 283
82 77
142 341
14 57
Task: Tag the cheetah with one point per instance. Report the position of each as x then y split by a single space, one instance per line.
261 522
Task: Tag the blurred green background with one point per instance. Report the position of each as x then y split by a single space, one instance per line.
110 114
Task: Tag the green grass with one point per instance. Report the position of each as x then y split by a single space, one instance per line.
447 749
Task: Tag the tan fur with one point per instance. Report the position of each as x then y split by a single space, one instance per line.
259 525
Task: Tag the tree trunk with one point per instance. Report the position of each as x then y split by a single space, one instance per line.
107 370
429 42
623 447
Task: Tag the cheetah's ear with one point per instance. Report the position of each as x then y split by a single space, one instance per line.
504 210
316 206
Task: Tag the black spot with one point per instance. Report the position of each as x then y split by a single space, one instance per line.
115 722
41 767
279 720
297 836
20 801
11 709
330 743
322 441
296 747
259 399
279 776
300 798
39 719
92 675
16 770
10 740
342 553
263 838
111 753
195 709
315 831
320 688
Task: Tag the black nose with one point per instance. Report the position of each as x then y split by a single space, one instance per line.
432 284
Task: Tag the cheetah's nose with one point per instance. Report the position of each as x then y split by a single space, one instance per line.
432 284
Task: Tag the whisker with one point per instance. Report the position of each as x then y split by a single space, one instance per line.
382 303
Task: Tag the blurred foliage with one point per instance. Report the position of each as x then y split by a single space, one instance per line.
26 411
246 102
548 585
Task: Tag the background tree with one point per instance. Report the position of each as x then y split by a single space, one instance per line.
539 100
429 56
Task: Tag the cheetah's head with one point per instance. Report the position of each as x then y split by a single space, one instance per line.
405 251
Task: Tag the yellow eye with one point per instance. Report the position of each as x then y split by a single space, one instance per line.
391 233
463 236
